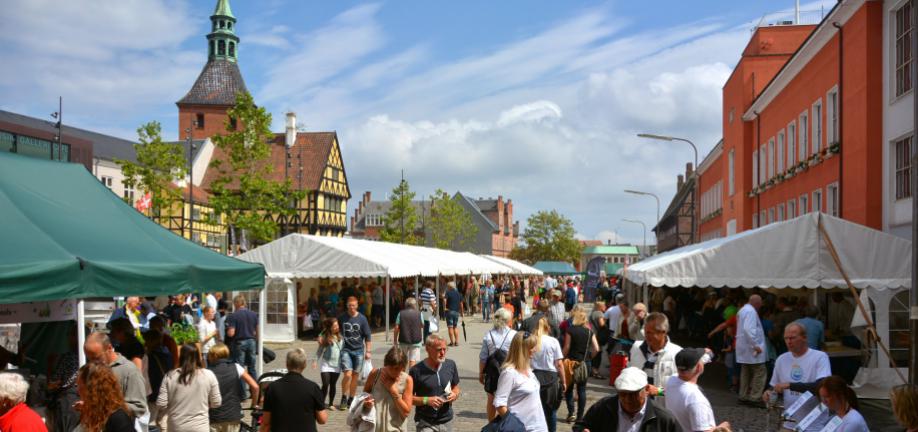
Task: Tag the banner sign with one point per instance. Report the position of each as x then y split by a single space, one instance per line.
593 278
47 311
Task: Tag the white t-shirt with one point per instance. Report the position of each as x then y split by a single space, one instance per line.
545 358
853 422
205 328
689 405
809 367
520 394
613 316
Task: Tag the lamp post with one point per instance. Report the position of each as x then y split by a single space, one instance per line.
190 180
644 226
648 194
694 170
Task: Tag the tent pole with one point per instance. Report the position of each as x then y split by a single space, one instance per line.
262 310
416 295
81 330
388 298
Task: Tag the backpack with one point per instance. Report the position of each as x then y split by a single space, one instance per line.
492 364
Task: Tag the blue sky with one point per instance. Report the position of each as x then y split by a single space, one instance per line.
538 101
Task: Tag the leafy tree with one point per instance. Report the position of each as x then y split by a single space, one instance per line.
450 226
243 193
400 223
549 236
158 165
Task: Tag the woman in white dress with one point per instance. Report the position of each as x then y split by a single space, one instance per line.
518 389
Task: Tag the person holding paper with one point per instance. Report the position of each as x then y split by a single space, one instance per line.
799 369
841 400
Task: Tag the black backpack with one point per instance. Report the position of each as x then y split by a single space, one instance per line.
493 363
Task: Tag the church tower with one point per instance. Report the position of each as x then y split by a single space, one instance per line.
204 108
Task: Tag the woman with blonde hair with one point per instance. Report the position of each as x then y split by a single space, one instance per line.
494 348
518 389
549 370
904 400
229 374
578 339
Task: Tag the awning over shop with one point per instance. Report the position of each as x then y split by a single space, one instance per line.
556 268
516 265
790 254
65 236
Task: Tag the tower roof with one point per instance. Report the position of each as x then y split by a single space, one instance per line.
217 84
223 9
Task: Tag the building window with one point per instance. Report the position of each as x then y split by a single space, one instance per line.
817 200
221 48
106 181
817 126
804 204
730 172
763 165
780 215
780 149
771 158
755 220
212 48
904 168
792 209
903 49
232 49
771 215
762 218
7 141
730 117
755 168
199 120
832 117
129 193
832 199
232 122
791 144
804 135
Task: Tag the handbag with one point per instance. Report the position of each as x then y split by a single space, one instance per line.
505 423
581 371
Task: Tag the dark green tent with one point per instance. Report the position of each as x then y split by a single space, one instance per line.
556 268
63 235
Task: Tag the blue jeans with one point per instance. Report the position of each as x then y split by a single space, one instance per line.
581 399
452 319
351 360
551 418
486 310
245 354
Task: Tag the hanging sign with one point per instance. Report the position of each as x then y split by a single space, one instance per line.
32 312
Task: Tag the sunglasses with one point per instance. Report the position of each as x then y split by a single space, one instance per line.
526 335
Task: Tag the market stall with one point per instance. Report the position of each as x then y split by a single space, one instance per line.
519 268
556 268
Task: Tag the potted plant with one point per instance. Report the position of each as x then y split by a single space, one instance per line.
834 148
185 333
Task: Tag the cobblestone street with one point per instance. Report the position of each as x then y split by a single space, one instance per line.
470 408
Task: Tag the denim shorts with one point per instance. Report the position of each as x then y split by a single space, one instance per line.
452 318
351 360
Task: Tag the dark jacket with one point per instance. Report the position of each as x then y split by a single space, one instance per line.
603 417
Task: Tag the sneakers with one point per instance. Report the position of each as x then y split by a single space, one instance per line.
344 404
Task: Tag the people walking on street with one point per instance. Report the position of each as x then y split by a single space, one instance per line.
98 347
188 393
842 401
328 357
486 293
409 331
436 387
750 351
391 392
518 388
101 406
428 300
230 374
799 369
242 327
656 354
684 399
356 348
293 403
494 348
578 341
454 310
556 310
548 366
636 321
630 410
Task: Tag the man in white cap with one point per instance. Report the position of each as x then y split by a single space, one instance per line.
629 411
684 398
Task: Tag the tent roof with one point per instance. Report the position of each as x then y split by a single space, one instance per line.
790 254
65 236
516 265
556 267
307 256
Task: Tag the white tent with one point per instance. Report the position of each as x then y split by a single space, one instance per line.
519 267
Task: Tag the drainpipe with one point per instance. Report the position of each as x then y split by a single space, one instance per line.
841 121
758 138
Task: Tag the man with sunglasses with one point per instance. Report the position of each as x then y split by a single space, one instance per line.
630 410
436 386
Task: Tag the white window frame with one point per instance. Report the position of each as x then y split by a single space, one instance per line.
771 215
897 64
780 156
731 172
816 121
755 168
763 217
755 220
832 199
804 206
771 158
106 181
832 116
803 132
905 168
817 200
791 144
780 213
763 160
128 193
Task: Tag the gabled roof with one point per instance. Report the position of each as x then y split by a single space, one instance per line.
611 250
421 209
677 201
476 208
217 84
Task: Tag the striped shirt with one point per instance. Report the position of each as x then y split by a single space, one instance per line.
428 298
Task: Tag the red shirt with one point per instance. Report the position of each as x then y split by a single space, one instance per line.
21 418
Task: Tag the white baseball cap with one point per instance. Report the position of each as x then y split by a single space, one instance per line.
631 379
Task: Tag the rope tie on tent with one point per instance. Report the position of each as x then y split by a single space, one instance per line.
871 329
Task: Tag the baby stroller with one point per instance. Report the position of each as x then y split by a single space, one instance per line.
264 381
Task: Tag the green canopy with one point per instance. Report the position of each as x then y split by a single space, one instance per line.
65 235
556 268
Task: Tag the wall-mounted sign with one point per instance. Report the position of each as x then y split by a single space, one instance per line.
57 310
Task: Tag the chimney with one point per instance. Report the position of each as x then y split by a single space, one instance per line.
688 170
291 129
680 180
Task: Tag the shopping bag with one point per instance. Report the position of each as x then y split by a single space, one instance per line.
434 324
307 322
365 371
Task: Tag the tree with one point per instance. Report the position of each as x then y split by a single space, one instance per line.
401 221
243 193
450 225
158 165
549 236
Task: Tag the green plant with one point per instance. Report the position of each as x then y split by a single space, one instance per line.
184 333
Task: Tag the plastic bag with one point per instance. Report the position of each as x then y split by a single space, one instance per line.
366 369
307 322
434 324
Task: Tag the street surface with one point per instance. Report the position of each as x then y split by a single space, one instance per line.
470 408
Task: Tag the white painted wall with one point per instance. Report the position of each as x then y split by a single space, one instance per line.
104 167
898 120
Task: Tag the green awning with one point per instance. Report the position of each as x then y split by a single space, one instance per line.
556 268
612 269
64 235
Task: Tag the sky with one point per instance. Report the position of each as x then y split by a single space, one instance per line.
538 101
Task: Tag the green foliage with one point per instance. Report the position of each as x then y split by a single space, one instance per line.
184 333
549 236
243 192
450 226
158 165
401 221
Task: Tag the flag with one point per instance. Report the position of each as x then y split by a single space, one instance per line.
144 203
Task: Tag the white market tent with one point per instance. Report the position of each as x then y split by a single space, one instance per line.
794 254
299 256
516 265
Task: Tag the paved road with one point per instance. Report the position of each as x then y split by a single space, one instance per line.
470 408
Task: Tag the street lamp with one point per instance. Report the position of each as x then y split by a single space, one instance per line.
645 232
191 147
647 194
694 170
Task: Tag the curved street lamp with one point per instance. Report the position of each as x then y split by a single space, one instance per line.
694 170
644 226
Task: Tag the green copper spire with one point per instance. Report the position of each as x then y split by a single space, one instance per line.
222 42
